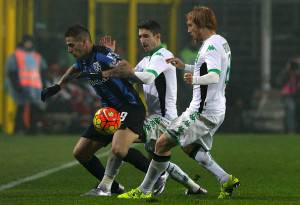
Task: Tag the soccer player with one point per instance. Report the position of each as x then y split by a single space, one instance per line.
114 92
160 88
195 128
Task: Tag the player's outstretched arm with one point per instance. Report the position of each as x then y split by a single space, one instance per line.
122 70
180 65
52 90
176 62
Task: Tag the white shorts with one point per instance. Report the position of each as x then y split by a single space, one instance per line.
193 127
154 126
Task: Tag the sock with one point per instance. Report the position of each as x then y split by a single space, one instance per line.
111 170
180 176
205 159
95 167
157 166
137 159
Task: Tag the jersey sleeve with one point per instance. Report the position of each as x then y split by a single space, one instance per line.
212 57
157 65
139 67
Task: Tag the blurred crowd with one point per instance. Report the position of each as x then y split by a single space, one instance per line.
26 74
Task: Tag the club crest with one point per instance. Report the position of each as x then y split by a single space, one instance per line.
97 66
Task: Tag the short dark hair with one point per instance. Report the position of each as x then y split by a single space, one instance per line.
150 25
79 32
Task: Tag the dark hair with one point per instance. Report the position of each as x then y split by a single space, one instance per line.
79 32
203 17
150 25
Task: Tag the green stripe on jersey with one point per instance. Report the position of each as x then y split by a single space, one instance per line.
215 70
152 71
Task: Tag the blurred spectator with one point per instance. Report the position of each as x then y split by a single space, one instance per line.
24 79
72 108
289 80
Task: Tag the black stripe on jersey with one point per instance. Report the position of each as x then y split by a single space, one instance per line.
203 88
161 87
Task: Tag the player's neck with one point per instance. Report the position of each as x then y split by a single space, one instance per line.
208 33
150 53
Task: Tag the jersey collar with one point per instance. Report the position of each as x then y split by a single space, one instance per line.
150 53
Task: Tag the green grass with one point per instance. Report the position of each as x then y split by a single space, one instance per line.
268 167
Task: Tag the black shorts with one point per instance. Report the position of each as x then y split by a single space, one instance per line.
132 117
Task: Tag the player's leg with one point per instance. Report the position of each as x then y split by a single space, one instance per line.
122 140
158 165
176 173
84 151
227 181
201 138
181 177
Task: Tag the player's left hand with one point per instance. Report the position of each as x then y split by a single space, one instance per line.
50 91
108 42
188 78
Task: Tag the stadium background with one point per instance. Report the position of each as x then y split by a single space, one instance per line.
263 35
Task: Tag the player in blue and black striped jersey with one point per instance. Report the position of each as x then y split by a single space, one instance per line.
114 92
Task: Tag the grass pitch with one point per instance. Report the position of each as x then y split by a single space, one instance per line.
268 167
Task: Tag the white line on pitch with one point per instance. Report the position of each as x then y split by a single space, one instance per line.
43 173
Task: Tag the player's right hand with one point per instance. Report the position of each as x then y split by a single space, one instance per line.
108 42
48 92
176 62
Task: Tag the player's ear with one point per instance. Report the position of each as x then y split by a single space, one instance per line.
157 36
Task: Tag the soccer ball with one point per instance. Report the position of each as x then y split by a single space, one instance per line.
107 120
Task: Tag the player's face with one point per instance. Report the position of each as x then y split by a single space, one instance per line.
76 47
193 30
148 40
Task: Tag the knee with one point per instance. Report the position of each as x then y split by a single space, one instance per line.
119 151
162 146
80 155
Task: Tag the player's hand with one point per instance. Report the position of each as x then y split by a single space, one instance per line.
48 92
108 42
188 78
124 64
176 62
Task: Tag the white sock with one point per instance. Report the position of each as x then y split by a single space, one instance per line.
111 170
205 159
154 171
180 176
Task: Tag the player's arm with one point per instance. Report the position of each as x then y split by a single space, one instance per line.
180 65
207 79
71 73
145 76
50 91
125 70
212 59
